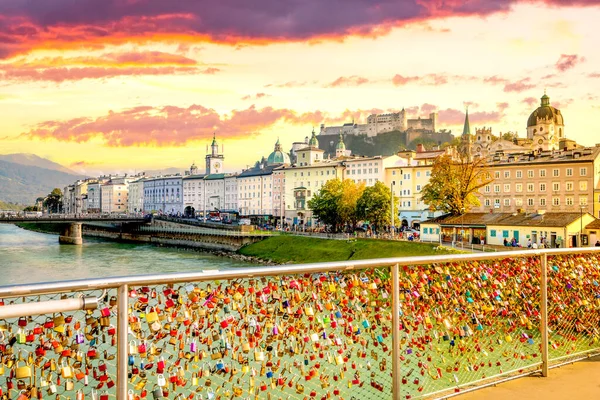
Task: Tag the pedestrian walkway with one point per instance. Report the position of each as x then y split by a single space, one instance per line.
580 380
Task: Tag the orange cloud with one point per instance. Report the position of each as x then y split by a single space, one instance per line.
429 79
59 24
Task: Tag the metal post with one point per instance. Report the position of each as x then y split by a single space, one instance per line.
122 331
544 312
396 368
393 219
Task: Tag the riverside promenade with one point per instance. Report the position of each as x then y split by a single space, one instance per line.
580 380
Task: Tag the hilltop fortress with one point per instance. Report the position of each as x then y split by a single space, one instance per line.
380 123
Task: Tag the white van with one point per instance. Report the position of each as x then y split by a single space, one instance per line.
244 221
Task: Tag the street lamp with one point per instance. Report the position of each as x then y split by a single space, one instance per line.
462 227
581 207
392 207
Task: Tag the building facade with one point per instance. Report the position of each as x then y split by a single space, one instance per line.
135 197
114 198
163 195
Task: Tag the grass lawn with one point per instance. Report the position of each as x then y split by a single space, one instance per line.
299 249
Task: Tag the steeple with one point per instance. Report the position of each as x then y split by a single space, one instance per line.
314 142
214 146
340 148
467 127
545 99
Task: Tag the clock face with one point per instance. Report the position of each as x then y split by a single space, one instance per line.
217 165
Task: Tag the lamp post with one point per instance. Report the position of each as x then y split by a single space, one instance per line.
581 207
392 207
462 227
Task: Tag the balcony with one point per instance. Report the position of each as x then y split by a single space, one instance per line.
402 328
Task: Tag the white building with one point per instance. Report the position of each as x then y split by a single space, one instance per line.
231 193
113 197
135 198
163 194
93 203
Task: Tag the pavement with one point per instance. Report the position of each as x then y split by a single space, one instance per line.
580 380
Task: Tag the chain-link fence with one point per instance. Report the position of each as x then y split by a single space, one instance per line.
305 332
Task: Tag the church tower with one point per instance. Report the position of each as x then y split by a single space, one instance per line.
465 139
340 148
214 160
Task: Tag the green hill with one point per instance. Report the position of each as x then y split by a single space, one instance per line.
11 206
23 184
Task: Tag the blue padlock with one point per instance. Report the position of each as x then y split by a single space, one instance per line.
269 374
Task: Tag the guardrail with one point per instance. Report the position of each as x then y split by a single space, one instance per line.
201 231
414 327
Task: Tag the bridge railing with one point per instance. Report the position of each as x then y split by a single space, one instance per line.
414 327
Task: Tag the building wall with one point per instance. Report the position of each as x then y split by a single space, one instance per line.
215 194
255 195
163 194
193 192
135 198
231 193
114 198
552 187
94 199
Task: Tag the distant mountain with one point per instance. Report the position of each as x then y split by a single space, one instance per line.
34 161
11 206
23 184
165 171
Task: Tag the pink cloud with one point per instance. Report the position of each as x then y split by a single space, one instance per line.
530 101
568 61
429 79
519 86
502 106
594 75
348 81
256 96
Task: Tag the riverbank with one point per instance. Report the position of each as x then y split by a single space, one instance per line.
297 249
284 249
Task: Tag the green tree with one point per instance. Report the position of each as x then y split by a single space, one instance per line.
427 142
336 203
374 205
324 204
454 184
53 201
510 136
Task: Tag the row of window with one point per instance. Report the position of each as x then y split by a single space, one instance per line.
316 173
364 171
542 173
569 201
569 187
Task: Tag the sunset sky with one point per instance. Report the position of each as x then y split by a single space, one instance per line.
106 86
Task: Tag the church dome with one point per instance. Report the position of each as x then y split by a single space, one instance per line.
278 156
545 112
341 145
313 140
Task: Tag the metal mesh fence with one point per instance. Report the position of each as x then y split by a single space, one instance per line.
292 337
573 306
467 322
62 355
310 335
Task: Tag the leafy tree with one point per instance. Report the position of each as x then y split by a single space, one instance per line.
454 184
374 205
347 206
30 208
53 201
510 136
324 204
427 142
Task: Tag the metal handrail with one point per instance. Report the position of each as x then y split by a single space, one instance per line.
206 275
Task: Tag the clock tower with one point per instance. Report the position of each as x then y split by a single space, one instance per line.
214 160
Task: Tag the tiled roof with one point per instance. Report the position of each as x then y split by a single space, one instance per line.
593 225
508 219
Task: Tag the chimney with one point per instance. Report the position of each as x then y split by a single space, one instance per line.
420 148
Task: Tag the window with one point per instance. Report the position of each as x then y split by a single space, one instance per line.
519 174
504 234
497 175
519 187
555 172
556 201
493 233
418 175
425 230
543 201
506 187
496 188
542 173
487 202
487 188
569 186
530 187
506 202
582 185
393 173
530 201
583 200
428 173
506 174
583 171
555 186
530 173
418 190
496 202
542 187
518 202
569 201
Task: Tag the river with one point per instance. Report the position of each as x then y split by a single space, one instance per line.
31 257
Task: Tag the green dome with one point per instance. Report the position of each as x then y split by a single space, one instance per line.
341 145
278 156
545 111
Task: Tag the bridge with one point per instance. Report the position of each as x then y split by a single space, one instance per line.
71 233
395 328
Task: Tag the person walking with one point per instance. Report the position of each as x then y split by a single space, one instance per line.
597 243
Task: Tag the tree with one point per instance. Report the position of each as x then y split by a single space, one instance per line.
335 203
454 184
428 143
374 205
324 204
510 136
53 201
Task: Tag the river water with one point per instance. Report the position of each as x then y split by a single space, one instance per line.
31 257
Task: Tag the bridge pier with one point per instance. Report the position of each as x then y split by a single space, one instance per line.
71 234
